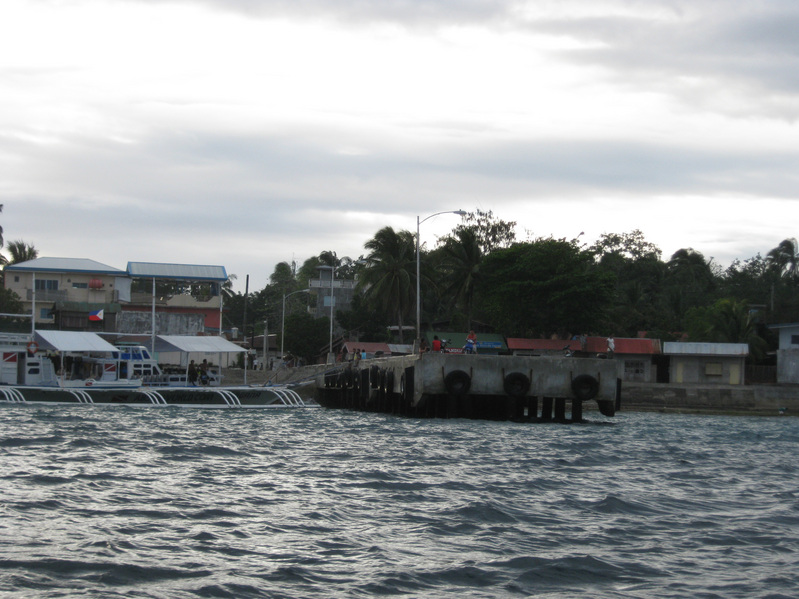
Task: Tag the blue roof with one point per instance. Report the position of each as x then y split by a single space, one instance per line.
188 272
83 265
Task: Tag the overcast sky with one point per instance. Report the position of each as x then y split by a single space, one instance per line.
247 132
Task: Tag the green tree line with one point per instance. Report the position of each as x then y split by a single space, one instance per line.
481 276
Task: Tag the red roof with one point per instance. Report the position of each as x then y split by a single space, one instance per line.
594 345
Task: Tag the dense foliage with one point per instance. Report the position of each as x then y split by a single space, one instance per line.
480 276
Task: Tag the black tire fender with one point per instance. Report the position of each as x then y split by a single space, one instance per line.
585 387
516 384
388 385
457 383
374 376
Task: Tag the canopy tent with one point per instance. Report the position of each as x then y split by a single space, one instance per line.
186 344
72 341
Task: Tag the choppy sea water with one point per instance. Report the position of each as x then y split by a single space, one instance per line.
304 503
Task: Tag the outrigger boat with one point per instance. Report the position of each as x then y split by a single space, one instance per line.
79 367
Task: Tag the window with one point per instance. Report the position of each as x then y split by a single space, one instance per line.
46 285
80 285
794 339
45 313
714 369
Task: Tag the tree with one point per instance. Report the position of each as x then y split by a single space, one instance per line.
490 233
543 287
10 302
388 276
727 321
785 259
690 282
631 246
305 335
638 273
21 251
461 257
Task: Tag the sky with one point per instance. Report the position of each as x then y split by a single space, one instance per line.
245 133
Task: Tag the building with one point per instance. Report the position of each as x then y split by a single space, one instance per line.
329 290
63 293
707 363
84 295
637 358
788 353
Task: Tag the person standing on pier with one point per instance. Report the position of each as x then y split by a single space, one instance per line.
471 343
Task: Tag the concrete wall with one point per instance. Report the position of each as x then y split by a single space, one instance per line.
722 370
766 400
788 366
638 369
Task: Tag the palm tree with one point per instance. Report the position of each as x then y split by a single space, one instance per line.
21 252
227 286
785 259
461 259
732 321
388 275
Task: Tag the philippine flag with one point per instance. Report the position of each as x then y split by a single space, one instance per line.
96 315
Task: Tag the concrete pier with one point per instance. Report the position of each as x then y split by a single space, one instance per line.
473 386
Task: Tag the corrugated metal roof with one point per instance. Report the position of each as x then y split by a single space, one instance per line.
598 345
185 343
705 349
189 272
72 341
65 265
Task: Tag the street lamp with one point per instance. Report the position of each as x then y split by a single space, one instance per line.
332 280
418 296
283 324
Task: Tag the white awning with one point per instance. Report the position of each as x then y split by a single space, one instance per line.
72 341
185 343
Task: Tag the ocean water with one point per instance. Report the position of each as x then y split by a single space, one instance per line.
304 503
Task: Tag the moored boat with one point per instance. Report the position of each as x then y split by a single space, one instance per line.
82 368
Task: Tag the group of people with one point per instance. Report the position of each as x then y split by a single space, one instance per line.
356 355
439 345
199 373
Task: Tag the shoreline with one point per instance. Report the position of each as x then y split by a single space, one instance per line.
742 400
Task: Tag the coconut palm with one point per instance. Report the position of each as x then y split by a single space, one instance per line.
21 251
785 259
389 273
461 259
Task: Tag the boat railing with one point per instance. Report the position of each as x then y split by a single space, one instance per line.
288 396
81 396
154 396
12 394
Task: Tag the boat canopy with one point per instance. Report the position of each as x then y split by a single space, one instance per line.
185 343
77 341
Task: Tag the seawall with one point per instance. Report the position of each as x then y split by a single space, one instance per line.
765 400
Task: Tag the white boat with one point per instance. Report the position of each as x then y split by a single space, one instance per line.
79 367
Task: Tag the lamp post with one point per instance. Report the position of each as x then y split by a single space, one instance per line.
331 358
418 286
283 324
